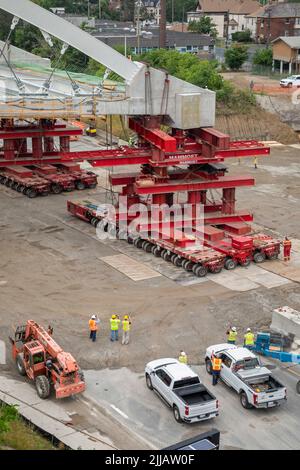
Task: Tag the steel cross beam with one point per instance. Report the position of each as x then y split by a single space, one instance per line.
196 185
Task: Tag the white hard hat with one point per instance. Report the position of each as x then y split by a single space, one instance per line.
248 329
233 328
183 353
93 317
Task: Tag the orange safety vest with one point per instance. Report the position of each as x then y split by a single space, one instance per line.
216 363
93 325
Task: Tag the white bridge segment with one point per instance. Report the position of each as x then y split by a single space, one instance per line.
188 106
70 34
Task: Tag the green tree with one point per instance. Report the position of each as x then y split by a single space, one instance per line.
236 56
180 9
263 57
204 26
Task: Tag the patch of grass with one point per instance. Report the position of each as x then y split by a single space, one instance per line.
19 436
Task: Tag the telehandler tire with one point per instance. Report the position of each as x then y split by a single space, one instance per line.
20 364
42 386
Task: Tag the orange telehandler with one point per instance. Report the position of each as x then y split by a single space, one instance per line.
39 357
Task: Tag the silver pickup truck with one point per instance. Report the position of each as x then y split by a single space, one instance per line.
181 389
241 370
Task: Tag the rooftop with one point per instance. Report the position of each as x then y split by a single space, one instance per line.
233 6
180 371
292 41
239 354
281 10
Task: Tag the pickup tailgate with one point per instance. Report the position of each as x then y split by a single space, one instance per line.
271 396
202 410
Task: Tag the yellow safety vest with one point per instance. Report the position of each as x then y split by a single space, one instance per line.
183 359
126 325
216 363
114 324
232 335
249 339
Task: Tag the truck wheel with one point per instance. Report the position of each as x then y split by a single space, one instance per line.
31 193
259 257
298 387
273 256
244 401
20 364
200 271
80 185
156 251
178 261
42 386
56 188
208 366
177 414
148 382
166 256
230 264
246 262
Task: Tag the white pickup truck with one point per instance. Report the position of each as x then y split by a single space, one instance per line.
180 387
242 371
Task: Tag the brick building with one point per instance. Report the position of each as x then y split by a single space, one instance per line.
282 19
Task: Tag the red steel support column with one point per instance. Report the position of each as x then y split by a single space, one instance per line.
64 142
37 147
194 198
9 149
228 201
48 144
23 146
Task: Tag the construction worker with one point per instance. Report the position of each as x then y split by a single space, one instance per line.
255 163
183 357
50 330
287 247
249 339
231 335
216 364
93 325
126 325
114 328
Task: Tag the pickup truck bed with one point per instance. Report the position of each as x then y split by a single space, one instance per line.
194 395
264 384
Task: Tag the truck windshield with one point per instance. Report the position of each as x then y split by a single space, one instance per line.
186 382
249 363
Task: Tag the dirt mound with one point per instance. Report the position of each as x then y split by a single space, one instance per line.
257 125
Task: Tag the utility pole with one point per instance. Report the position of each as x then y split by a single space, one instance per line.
173 12
163 25
100 13
138 25
88 9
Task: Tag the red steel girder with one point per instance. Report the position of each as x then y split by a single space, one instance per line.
213 137
195 185
155 137
31 133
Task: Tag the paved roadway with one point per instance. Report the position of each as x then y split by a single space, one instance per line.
124 395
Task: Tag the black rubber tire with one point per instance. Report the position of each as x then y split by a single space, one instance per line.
290 85
208 366
42 386
148 382
167 256
147 247
259 257
200 271
56 188
188 265
79 185
14 185
130 240
273 256
178 261
138 243
20 364
8 182
156 251
20 188
177 414
230 264
244 401
298 387
31 193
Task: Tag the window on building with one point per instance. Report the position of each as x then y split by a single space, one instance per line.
262 22
286 33
287 20
298 21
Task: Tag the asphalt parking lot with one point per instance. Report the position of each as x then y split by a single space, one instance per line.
125 396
